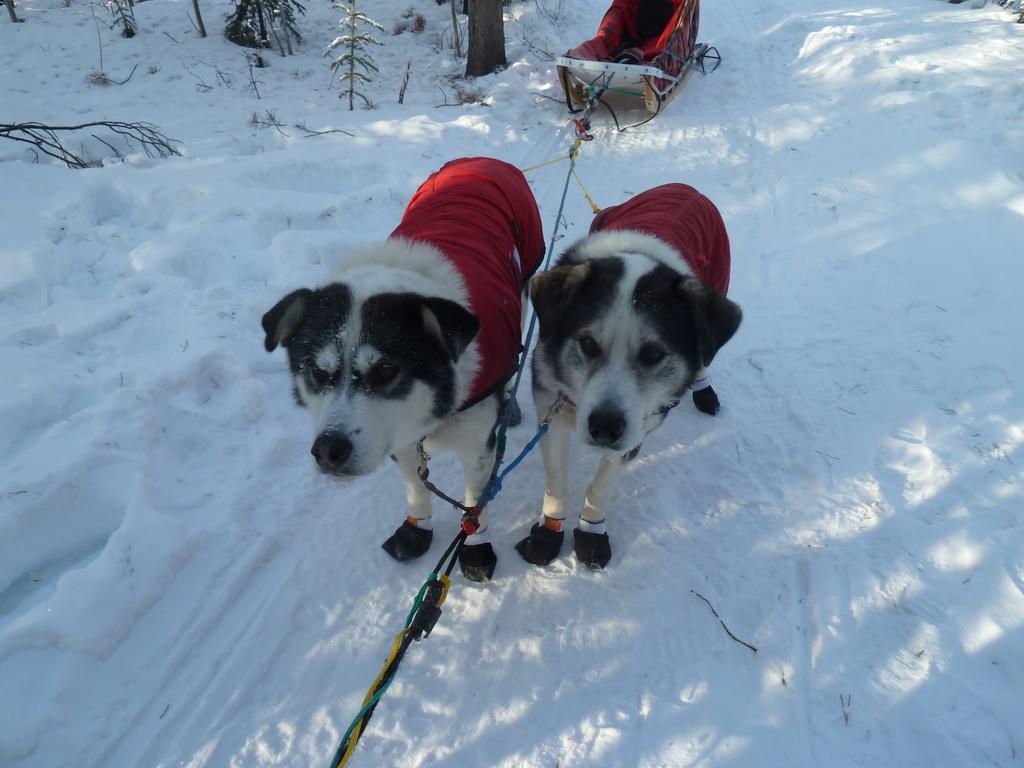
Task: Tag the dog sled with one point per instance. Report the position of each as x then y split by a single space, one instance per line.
643 49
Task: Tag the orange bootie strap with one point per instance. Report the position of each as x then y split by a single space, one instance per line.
551 523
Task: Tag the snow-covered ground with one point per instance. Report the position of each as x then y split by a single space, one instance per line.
179 588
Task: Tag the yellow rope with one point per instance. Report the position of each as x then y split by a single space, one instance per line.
446 584
353 738
571 156
369 695
593 205
543 165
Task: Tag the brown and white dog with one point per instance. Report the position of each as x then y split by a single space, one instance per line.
408 348
630 319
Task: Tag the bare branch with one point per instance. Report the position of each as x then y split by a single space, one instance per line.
122 82
202 86
310 132
405 82
269 120
111 147
727 631
252 82
99 40
541 53
45 138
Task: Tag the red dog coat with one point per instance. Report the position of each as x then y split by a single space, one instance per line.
481 214
683 218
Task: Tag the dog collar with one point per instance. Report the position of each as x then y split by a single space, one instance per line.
565 399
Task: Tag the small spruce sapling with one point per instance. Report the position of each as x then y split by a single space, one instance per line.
356 56
254 21
124 14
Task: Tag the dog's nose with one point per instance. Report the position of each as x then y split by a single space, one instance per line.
331 450
606 426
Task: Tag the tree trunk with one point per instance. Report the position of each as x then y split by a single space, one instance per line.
456 33
352 55
10 10
264 40
486 37
199 18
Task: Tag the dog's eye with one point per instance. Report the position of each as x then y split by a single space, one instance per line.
322 378
381 375
588 346
651 354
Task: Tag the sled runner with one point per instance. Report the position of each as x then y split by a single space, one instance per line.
643 49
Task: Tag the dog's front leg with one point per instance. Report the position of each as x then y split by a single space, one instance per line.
478 471
704 396
590 539
477 558
545 539
413 537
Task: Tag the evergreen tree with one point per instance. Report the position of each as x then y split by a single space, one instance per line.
255 22
356 56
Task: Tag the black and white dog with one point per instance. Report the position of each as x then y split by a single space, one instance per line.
407 351
630 319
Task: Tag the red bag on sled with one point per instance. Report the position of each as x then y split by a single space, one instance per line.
653 39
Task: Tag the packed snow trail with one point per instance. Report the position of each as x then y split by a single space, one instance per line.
179 588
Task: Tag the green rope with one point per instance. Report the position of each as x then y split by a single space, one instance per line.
418 600
623 90
489 493
362 713
369 705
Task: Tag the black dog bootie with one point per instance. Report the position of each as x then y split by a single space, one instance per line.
541 546
408 542
477 561
706 401
592 549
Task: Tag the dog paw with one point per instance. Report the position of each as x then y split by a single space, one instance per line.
706 401
477 561
592 549
541 546
408 542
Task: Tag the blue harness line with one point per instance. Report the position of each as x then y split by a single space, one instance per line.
426 607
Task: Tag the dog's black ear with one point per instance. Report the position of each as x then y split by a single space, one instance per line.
715 318
281 322
552 292
456 325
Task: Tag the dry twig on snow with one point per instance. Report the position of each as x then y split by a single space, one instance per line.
269 120
727 630
46 139
310 132
541 53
